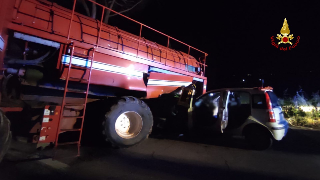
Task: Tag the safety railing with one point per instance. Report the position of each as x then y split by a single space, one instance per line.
140 34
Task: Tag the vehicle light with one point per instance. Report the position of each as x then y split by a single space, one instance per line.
270 110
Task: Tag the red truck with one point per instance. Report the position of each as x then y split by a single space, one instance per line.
59 61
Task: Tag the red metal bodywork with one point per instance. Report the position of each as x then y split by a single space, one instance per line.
113 47
11 109
49 125
5 9
154 91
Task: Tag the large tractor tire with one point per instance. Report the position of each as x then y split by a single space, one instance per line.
5 135
127 123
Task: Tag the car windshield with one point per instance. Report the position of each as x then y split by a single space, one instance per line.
274 99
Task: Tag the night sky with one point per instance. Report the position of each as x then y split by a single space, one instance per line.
237 37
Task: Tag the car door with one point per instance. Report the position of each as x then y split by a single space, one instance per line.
238 108
222 121
209 111
205 109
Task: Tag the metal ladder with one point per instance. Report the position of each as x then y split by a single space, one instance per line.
66 91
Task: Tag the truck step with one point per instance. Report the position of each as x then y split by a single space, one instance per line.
70 117
67 143
78 79
77 67
76 91
82 55
74 105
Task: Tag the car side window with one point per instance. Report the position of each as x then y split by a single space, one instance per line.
239 98
259 101
244 98
209 104
208 99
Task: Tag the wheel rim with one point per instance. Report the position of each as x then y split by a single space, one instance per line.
128 125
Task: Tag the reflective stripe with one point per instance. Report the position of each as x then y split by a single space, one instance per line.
197 79
154 69
1 43
156 82
102 66
36 40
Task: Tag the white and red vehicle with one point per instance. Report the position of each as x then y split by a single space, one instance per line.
250 112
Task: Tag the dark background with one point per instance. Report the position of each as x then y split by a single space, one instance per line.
236 35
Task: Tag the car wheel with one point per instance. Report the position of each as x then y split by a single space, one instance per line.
258 138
